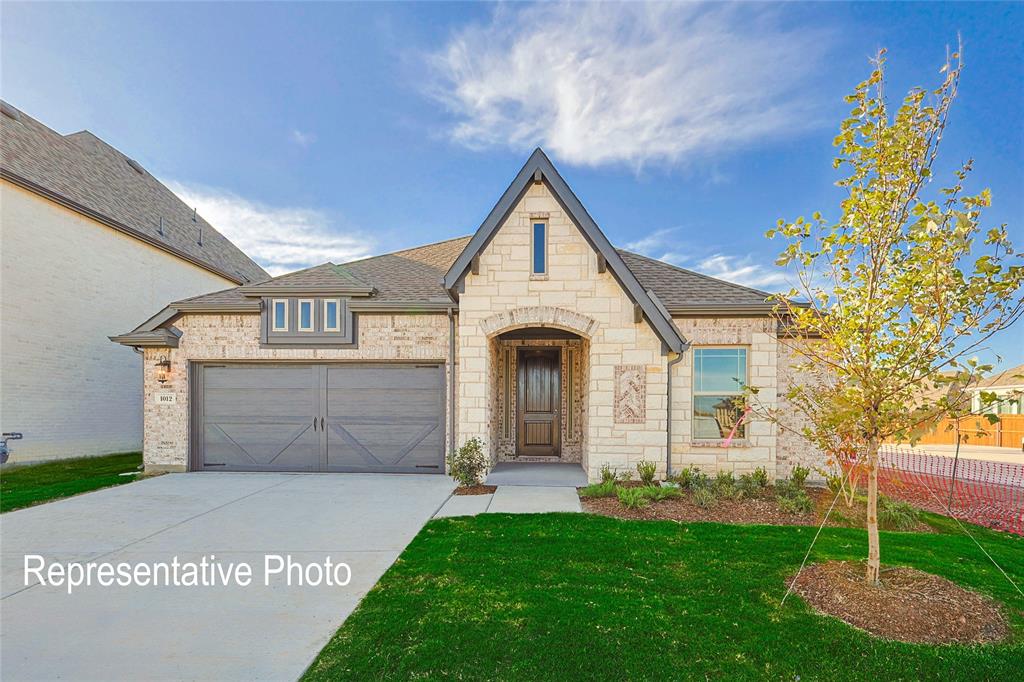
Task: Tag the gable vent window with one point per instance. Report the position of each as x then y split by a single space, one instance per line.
539 244
306 315
280 315
332 320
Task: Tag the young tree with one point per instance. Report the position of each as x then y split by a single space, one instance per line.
900 291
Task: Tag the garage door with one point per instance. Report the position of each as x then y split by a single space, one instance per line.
369 418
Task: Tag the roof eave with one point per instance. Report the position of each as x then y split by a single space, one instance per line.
73 205
160 338
265 290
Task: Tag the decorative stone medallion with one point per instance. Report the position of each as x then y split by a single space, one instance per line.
630 394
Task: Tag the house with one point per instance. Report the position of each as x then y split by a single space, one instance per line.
1008 387
534 334
90 239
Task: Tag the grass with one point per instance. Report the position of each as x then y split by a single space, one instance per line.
571 596
25 486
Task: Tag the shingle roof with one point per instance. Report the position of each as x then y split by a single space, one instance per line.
680 289
414 275
86 173
325 275
1008 377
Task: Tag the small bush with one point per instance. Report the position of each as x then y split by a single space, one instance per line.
796 503
467 465
760 477
799 476
746 487
684 477
699 480
602 489
607 474
704 497
658 493
632 498
725 480
646 471
894 515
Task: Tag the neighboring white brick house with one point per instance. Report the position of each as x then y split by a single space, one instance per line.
564 349
72 274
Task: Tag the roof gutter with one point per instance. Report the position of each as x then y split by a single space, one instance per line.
668 417
73 205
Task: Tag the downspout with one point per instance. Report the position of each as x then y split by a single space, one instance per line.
668 419
451 380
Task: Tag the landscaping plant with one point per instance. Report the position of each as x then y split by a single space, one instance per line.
896 515
799 476
632 498
646 471
900 288
602 489
468 463
704 497
760 477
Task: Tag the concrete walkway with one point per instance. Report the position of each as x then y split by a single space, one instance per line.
514 499
537 474
255 632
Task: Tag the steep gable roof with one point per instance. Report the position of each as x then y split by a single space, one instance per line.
538 168
87 175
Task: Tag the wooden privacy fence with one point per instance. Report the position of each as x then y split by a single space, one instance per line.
1008 432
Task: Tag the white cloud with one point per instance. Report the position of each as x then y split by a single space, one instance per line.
746 270
630 83
281 239
300 138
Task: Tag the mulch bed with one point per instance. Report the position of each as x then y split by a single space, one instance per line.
908 606
475 490
762 509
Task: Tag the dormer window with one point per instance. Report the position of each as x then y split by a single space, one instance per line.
332 318
280 313
306 315
539 248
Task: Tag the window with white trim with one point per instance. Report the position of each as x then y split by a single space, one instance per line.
306 315
332 315
280 315
539 248
719 375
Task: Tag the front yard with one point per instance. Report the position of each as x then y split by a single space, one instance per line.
25 486
570 596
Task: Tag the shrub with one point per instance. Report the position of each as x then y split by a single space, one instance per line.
760 477
725 481
796 503
468 463
607 474
799 476
602 489
658 493
704 497
684 477
894 515
632 498
646 470
746 487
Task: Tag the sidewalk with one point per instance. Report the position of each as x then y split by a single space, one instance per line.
513 499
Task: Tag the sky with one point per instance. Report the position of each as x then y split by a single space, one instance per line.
309 132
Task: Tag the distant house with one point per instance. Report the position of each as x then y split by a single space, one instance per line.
1008 386
90 242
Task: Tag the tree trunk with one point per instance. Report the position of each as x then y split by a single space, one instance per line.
874 553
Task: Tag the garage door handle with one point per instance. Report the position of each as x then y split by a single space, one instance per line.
321 423
314 423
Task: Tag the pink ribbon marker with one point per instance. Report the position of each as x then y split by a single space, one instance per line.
732 434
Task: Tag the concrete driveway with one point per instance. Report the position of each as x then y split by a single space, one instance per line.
195 632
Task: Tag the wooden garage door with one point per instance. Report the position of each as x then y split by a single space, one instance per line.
369 418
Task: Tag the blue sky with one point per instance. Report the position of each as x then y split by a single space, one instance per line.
314 132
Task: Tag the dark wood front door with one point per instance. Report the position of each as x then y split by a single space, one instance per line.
539 402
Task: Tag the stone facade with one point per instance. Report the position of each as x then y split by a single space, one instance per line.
573 296
237 337
759 447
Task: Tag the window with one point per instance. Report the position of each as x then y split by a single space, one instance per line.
332 320
540 248
718 378
305 315
280 315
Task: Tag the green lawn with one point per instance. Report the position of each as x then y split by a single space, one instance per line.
577 596
27 485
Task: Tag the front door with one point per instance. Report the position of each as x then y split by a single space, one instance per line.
539 402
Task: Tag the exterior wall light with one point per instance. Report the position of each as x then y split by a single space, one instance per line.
163 370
